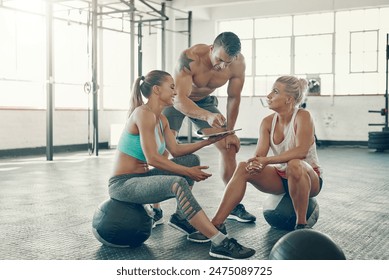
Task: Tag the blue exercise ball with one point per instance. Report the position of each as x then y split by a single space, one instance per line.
306 244
279 213
121 224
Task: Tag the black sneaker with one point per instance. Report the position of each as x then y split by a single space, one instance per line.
198 237
230 249
302 226
158 217
240 214
181 224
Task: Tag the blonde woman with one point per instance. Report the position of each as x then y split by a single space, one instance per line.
292 167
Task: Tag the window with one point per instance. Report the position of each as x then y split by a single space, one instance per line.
273 56
247 51
243 28
22 51
116 70
360 49
313 54
313 24
71 64
273 27
344 46
23 57
8 44
364 51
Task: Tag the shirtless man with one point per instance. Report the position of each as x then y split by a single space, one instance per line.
200 70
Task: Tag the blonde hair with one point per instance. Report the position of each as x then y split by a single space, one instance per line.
295 87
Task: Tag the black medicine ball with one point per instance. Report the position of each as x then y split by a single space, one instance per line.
306 244
121 224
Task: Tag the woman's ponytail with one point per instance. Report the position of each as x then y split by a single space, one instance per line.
143 86
136 95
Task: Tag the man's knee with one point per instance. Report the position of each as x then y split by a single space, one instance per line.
229 152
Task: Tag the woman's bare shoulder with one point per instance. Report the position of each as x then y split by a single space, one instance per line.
303 113
266 121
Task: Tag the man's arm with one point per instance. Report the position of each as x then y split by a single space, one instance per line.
233 101
184 80
182 102
234 91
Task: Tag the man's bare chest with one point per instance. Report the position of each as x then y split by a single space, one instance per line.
211 79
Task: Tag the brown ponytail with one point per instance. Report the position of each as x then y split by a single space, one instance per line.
143 86
136 96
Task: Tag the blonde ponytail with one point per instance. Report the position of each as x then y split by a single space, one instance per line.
303 87
296 88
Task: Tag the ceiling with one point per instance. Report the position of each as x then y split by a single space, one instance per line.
139 4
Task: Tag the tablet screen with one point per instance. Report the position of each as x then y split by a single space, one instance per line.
219 133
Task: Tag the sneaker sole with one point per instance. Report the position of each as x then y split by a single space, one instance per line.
159 222
198 241
201 241
233 217
178 228
219 256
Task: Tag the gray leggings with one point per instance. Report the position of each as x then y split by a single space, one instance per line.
156 186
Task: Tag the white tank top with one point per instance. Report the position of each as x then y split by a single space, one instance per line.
289 142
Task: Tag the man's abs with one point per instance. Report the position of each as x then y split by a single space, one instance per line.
200 93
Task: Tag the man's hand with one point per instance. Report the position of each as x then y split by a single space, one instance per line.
216 120
232 141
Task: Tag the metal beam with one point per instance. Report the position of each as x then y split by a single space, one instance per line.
386 128
161 13
114 12
132 43
189 45
163 39
49 81
140 49
148 20
94 78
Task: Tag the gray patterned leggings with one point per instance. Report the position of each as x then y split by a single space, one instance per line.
158 185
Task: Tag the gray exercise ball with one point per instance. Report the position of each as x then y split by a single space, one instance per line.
279 213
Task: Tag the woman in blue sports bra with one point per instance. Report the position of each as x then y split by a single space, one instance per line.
144 174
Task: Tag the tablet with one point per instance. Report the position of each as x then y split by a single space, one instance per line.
219 133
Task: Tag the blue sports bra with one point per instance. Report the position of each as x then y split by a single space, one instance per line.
130 144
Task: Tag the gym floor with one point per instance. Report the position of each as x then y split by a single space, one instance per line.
46 208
